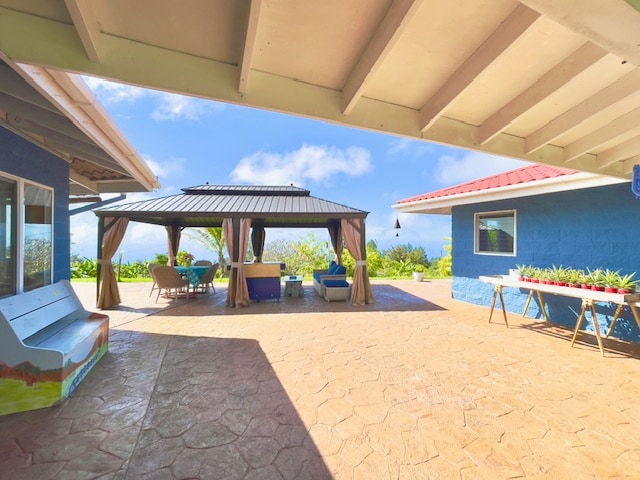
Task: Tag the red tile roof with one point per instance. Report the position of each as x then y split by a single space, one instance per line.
530 173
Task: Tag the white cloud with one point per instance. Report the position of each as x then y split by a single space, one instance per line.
310 163
452 170
178 107
112 92
167 169
410 148
168 106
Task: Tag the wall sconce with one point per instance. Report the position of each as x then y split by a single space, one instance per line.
397 227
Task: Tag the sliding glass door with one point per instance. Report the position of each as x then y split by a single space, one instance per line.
8 235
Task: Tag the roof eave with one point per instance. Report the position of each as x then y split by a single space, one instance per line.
72 97
443 205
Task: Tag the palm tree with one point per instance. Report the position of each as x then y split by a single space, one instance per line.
212 239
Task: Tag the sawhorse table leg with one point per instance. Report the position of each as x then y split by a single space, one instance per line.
497 291
586 303
615 319
526 306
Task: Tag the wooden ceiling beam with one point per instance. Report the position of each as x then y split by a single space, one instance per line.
69 145
620 128
79 179
19 110
497 44
378 48
620 152
549 83
249 45
87 26
572 118
614 24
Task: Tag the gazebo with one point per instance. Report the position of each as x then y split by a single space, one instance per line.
243 212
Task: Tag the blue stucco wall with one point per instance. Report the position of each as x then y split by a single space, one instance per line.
24 159
588 228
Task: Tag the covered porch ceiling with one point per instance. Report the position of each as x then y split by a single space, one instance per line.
547 81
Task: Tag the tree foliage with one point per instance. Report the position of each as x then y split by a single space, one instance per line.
212 239
301 257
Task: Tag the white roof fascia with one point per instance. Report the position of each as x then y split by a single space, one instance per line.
443 205
71 95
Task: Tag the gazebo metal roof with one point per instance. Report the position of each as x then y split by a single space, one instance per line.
208 205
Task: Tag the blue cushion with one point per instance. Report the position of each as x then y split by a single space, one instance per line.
317 276
340 270
332 267
336 283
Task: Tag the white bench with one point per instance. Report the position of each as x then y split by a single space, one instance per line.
48 344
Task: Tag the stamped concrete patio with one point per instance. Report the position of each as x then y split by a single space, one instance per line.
415 386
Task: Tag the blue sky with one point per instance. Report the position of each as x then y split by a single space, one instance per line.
188 141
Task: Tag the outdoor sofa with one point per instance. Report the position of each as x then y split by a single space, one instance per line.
333 277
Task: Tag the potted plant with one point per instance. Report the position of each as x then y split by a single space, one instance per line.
559 275
575 278
523 272
595 279
611 280
184 258
626 284
418 272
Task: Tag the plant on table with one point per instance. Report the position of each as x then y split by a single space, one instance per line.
575 277
595 279
626 283
184 258
611 280
559 275
524 272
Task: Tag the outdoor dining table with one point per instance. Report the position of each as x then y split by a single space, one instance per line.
194 273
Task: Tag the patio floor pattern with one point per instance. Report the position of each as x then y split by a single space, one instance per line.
415 386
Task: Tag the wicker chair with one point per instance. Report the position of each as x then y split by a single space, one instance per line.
151 267
168 279
202 263
207 279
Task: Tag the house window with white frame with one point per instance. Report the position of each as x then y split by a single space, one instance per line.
26 235
495 233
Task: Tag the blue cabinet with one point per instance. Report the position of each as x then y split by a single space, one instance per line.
263 280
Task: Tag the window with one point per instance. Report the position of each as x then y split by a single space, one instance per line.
495 233
26 236
38 236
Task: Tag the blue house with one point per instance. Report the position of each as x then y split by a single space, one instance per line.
58 147
541 216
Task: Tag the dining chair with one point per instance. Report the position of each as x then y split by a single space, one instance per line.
167 278
207 279
202 263
150 268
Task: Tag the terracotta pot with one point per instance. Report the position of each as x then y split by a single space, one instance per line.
610 290
597 288
623 291
586 287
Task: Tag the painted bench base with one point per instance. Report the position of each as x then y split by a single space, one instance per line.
48 344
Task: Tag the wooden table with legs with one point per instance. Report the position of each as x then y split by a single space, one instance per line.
589 299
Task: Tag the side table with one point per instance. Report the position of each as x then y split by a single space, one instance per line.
293 286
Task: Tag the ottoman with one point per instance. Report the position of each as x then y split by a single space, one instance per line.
337 291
